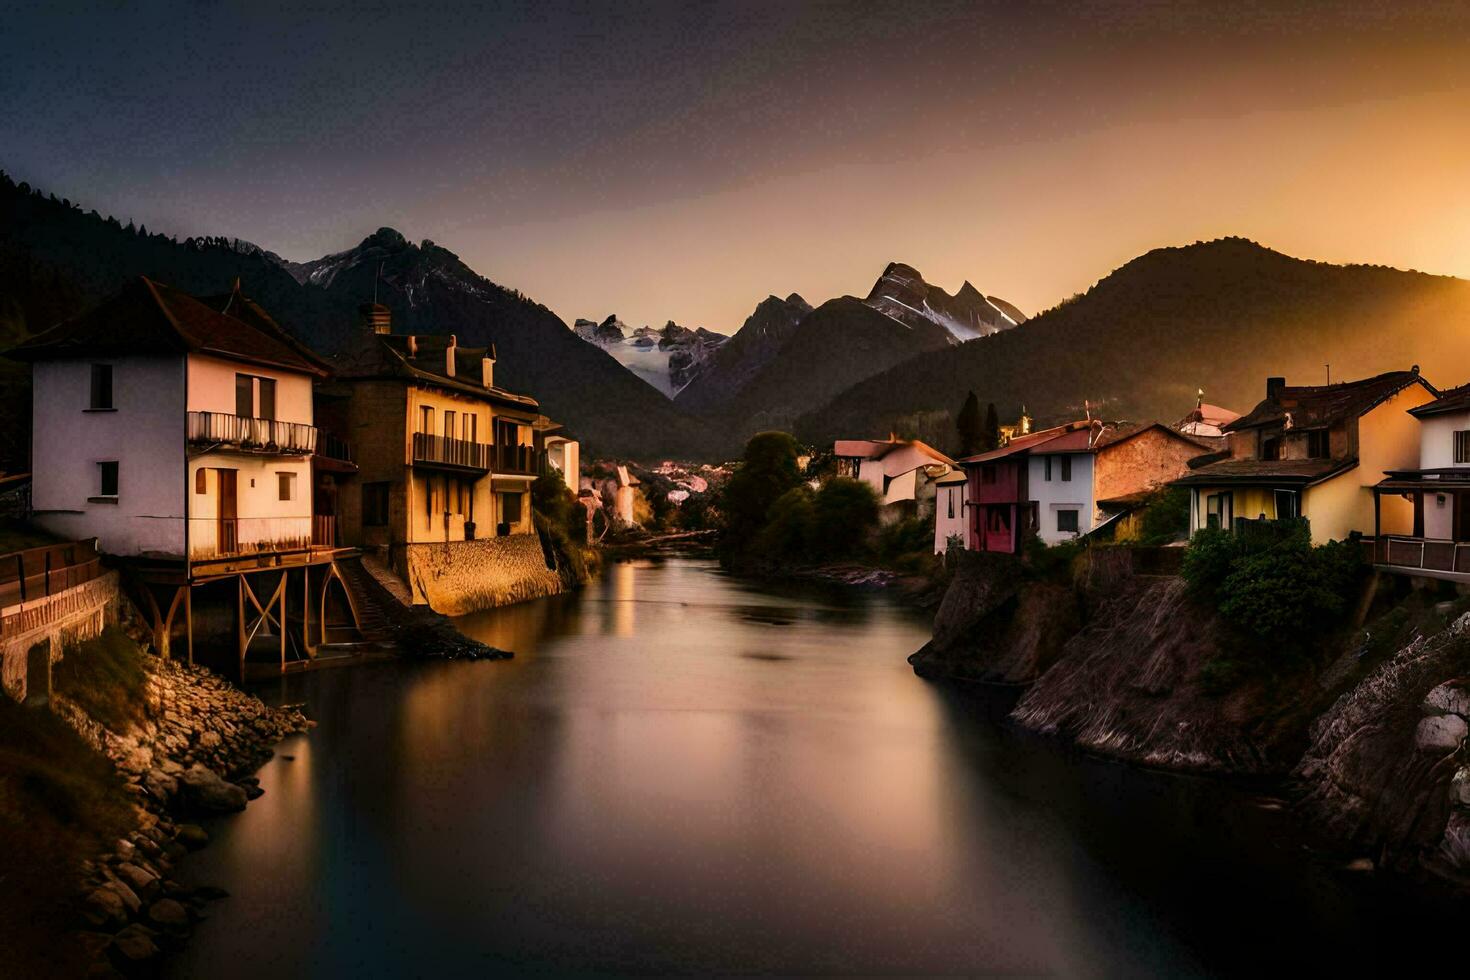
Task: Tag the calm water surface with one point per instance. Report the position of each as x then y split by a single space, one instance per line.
684 772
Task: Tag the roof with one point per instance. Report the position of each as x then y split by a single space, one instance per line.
879 448
1083 437
1453 400
953 476
1022 444
147 317
423 359
1266 471
1319 406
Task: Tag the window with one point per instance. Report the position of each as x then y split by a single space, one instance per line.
950 498
1067 468
267 409
286 486
471 427
510 511
1067 521
375 504
101 400
1462 446
1285 504
1319 444
201 480
1271 449
245 395
1047 461
107 478
426 419
999 519
449 423
1218 507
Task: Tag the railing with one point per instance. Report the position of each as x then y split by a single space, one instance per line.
515 459
255 435
324 531
333 447
1425 554
246 536
44 571
445 451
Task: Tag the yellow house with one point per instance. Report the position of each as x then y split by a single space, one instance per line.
1315 451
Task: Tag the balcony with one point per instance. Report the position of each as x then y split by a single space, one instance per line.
515 459
260 537
267 437
442 452
1432 557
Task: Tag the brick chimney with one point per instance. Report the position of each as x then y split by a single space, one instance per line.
375 317
1274 387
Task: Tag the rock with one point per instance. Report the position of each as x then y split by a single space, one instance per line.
1455 848
209 740
1460 787
135 943
1440 733
160 785
136 878
168 913
1450 698
192 836
203 789
129 897
105 906
125 850
253 792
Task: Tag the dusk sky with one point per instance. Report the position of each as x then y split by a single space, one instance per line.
685 160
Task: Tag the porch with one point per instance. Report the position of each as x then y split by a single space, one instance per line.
1437 543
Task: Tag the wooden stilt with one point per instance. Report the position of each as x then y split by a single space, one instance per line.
189 622
240 621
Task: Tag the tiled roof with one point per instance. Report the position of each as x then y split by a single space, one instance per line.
1453 400
375 355
1251 471
1319 406
146 317
1021 444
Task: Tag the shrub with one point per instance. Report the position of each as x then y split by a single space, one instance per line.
1208 558
769 469
846 512
906 537
792 523
553 500
1165 517
1052 561
105 678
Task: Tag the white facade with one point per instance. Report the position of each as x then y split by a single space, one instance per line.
1063 497
949 515
144 433
564 456
1437 452
212 388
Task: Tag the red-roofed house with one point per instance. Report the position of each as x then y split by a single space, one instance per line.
902 472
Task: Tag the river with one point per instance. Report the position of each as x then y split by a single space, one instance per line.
681 771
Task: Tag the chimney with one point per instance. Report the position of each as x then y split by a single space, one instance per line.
375 317
487 368
1274 387
449 356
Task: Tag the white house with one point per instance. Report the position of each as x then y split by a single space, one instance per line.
1422 516
902 472
949 510
155 405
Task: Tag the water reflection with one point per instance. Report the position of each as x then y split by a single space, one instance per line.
680 771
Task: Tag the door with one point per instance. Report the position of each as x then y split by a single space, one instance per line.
228 533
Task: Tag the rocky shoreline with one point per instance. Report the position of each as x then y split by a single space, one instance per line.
191 756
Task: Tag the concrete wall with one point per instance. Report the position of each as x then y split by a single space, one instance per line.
212 388
35 634
145 434
463 576
1055 495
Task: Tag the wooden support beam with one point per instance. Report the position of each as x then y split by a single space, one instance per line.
240 621
189 621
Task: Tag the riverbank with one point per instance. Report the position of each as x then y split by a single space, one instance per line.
1368 738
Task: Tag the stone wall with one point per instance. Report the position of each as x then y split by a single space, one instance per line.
464 576
47 625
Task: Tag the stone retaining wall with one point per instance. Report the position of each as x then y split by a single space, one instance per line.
48 625
464 576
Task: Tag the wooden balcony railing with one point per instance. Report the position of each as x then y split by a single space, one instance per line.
1424 554
267 436
333 447
211 538
455 453
515 459
37 572
324 531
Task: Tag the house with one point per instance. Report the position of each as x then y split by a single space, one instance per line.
1206 421
1315 451
902 472
179 432
949 510
1431 536
444 455
558 451
1060 483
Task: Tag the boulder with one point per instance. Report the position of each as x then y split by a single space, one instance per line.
203 789
104 906
140 881
129 898
135 943
1460 787
1440 733
160 785
169 914
1450 698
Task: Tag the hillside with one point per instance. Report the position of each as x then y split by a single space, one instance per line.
902 293
56 259
1222 315
731 368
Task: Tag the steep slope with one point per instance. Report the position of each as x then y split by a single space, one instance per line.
429 289
55 260
833 347
1222 315
731 368
902 293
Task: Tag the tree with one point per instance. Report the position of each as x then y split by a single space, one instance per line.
767 471
969 426
990 436
845 514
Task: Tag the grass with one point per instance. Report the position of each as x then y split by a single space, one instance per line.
61 803
105 678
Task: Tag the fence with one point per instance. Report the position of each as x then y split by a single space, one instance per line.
262 435
243 536
37 572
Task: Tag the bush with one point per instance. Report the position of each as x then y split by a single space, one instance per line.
105 678
1052 561
1208 558
769 469
553 500
846 512
1165 517
905 538
789 532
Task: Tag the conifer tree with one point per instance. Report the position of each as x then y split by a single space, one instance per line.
969 426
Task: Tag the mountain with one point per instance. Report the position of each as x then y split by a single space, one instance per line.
732 366
667 359
1222 315
904 295
56 260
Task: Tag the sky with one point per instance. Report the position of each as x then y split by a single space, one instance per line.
683 161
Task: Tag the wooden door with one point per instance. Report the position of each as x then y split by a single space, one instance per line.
228 540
